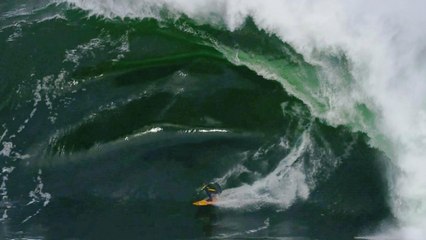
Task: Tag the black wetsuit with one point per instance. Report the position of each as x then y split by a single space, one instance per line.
211 189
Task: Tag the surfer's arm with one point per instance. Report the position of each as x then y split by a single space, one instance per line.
202 188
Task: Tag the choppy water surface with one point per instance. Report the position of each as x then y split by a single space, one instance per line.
310 115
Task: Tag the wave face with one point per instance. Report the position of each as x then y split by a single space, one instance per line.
381 47
121 107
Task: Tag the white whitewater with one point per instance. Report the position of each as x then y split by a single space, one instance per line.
284 185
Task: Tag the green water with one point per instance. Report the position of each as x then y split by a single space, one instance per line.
115 123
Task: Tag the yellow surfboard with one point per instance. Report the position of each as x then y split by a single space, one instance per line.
204 202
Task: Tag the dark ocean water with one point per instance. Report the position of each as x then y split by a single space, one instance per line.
108 126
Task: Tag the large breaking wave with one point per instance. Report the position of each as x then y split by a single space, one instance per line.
370 67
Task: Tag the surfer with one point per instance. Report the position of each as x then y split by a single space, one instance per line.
211 189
